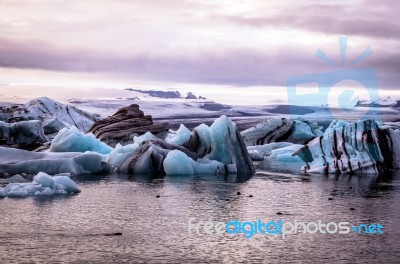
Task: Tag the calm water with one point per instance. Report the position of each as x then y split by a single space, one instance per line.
74 228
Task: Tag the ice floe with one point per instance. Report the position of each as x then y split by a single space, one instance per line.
42 184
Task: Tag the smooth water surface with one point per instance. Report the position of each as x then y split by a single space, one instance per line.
80 228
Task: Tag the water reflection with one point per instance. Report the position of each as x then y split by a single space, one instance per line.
152 213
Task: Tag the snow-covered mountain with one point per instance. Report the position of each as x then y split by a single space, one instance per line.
163 94
385 102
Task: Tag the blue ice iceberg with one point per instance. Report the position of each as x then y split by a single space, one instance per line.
73 140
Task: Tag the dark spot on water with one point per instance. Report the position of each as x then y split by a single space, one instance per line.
350 187
279 213
250 196
238 193
371 196
352 209
227 200
114 234
330 198
157 196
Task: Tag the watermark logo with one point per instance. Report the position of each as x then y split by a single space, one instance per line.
280 227
340 90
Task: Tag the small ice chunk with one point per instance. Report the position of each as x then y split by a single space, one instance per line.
16 178
47 191
255 155
42 184
44 179
66 184
140 139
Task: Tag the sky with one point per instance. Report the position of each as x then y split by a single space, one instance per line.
238 51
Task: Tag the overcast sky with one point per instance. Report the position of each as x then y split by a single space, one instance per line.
202 45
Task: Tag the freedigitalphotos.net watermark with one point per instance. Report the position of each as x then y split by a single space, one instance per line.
340 90
280 227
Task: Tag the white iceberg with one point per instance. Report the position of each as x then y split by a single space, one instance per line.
42 184
72 140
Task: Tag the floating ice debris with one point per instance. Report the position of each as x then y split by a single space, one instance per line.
42 184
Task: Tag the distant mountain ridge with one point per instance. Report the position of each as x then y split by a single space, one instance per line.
386 102
166 94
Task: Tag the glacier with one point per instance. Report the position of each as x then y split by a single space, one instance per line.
42 185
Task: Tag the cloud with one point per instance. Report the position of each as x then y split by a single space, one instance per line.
199 42
240 67
371 19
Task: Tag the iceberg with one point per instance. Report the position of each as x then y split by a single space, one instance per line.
121 153
281 129
53 125
200 140
358 147
181 136
22 133
285 153
52 114
146 158
42 184
215 149
178 163
16 161
281 151
72 140
227 145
